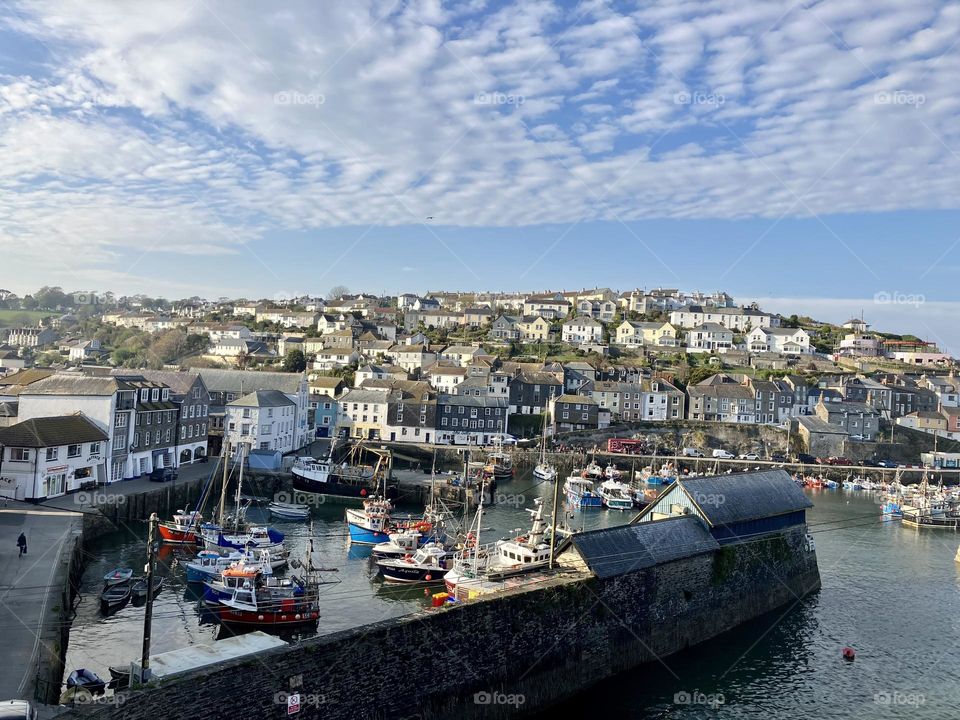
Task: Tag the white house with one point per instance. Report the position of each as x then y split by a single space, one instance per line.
49 456
737 319
109 402
709 337
789 341
262 420
582 331
462 355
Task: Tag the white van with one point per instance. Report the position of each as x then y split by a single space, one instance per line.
691 452
723 454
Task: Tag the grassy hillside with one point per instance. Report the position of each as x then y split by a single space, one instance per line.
15 318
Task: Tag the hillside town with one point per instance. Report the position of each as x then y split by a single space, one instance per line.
95 389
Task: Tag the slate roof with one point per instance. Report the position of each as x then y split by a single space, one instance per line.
51 432
619 550
746 496
815 424
25 377
75 385
218 380
262 398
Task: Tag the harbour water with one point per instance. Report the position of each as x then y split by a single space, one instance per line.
889 592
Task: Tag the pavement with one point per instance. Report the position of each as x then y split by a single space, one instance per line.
31 588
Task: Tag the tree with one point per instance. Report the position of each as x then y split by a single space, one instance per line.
699 374
295 361
337 291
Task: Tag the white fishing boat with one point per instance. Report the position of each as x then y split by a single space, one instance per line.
580 492
479 564
615 495
611 472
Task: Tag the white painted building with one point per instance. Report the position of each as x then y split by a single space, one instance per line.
49 456
262 420
582 331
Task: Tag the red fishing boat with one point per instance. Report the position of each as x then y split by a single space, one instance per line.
183 529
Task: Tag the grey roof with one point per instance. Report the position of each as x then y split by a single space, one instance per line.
75 385
619 550
746 496
51 432
471 400
262 398
218 380
815 424
366 395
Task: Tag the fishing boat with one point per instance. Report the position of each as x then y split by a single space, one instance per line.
611 472
477 564
289 511
139 589
615 495
258 537
428 564
117 576
324 477
499 464
400 543
831 484
592 472
115 596
182 529
544 471
580 493
817 483
370 525
263 606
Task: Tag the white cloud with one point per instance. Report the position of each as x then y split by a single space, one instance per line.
161 126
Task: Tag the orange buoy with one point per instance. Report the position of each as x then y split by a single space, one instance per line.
849 654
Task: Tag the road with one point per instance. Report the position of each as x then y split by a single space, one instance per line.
30 588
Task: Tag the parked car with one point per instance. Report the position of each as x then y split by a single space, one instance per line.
163 474
807 459
723 454
19 709
870 463
749 456
692 452
836 460
886 463
778 457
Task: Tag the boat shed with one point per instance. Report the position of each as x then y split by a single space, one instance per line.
734 507
619 550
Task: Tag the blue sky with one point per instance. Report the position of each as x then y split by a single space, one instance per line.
805 156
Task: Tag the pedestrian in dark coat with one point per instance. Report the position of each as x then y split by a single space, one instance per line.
22 544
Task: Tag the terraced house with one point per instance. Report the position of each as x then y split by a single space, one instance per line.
721 398
155 428
470 420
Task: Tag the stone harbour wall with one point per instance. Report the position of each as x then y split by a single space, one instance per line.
500 656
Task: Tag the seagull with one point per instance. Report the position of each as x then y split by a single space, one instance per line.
430 217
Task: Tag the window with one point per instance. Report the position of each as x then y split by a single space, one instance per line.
205 408
94 448
246 412
183 431
149 415
245 429
52 453
144 395
19 454
73 451
443 421
155 394
166 393
120 421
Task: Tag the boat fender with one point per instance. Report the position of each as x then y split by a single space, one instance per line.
259 617
849 654
297 616
363 492
429 577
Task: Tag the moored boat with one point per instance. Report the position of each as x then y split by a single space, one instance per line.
86 680
428 564
182 529
115 596
117 576
615 495
370 525
323 477
138 590
580 493
289 511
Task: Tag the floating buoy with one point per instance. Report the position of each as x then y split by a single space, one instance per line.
363 492
849 654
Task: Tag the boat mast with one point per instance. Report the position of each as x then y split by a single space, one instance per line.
236 518
223 486
476 539
553 520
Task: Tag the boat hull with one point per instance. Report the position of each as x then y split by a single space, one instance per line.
332 488
177 536
412 574
360 535
584 501
266 618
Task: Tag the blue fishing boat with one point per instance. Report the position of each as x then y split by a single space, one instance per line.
580 493
370 525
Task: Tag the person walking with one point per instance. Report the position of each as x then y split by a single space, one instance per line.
22 544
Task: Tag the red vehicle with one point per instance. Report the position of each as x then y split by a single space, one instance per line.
838 461
628 446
